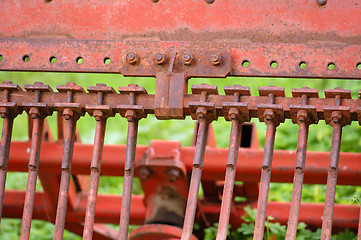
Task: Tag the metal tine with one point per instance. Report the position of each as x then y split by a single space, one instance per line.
8 112
272 114
303 115
337 116
71 113
38 111
205 113
236 112
359 223
133 113
100 112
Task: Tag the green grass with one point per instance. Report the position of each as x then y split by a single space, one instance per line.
150 128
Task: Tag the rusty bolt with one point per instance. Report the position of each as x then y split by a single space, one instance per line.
132 58
233 113
34 113
159 58
68 113
209 1
201 112
321 2
215 59
173 174
268 114
187 58
144 173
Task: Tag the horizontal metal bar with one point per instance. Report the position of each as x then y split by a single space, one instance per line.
259 56
108 208
268 20
21 99
248 166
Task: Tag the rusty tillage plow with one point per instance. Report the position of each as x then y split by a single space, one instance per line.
165 177
174 41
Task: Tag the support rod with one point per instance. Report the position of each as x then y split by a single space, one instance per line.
32 177
94 178
265 180
234 144
331 181
128 178
4 155
65 178
201 143
298 180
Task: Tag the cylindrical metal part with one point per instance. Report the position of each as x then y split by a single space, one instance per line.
128 179
234 144
94 179
331 182
4 156
201 143
65 178
265 180
33 173
297 180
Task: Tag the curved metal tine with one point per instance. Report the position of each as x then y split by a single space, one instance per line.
32 177
4 155
128 178
192 200
297 180
234 144
265 180
331 182
69 140
94 178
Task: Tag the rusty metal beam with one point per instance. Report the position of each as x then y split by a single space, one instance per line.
258 21
111 57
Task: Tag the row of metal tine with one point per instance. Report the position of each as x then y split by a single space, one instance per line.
204 112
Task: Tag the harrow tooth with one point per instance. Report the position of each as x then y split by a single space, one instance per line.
100 112
205 113
38 112
8 111
303 115
272 114
237 114
337 116
133 113
71 114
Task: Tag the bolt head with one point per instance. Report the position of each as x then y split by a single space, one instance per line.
187 58
131 58
159 58
215 59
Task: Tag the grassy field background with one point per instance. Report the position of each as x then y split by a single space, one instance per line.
150 128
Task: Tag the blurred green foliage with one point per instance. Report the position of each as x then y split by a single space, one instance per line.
286 138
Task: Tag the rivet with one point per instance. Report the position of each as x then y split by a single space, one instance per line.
159 58
215 59
321 2
131 58
187 58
